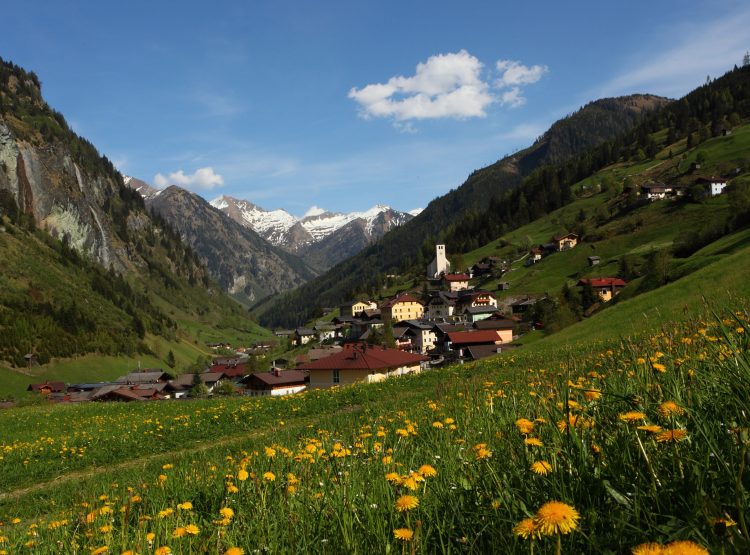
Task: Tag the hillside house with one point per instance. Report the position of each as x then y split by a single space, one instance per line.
605 287
476 298
535 255
352 308
145 376
522 306
359 362
275 383
402 307
47 387
713 186
422 334
505 326
181 385
440 264
460 341
441 306
565 242
455 282
303 336
472 314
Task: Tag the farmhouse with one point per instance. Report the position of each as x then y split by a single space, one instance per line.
455 282
714 186
565 242
276 382
605 287
358 362
353 308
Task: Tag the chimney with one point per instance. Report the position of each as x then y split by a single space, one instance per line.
277 372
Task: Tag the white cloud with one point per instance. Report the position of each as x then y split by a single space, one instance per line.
515 73
202 178
445 86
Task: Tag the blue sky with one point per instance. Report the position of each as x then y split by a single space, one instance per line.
347 104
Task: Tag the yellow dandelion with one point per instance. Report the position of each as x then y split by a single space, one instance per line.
242 475
99 550
163 550
179 532
632 416
671 436
406 503
527 529
652 428
524 425
393 477
186 506
403 534
684 548
192 529
226 512
542 468
165 513
648 549
427 471
437 424
234 551
659 367
270 452
150 537
555 517
670 407
269 476
533 441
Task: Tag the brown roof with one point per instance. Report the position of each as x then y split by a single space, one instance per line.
229 370
406 298
284 378
185 381
561 237
54 387
359 356
473 337
492 324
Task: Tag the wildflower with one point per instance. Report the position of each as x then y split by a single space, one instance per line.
652 428
481 451
632 416
186 506
231 488
533 441
555 517
165 513
670 407
226 512
592 394
99 550
427 471
671 436
234 551
659 367
150 537
393 477
270 452
179 532
684 548
163 550
542 468
269 476
242 475
527 529
648 549
437 424
406 503
524 425
403 534
192 529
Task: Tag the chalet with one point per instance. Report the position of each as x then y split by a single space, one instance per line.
535 255
146 376
233 371
441 306
481 269
181 385
47 387
605 287
460 341
522 306
455 282
423 337
276 382
126 393
358 362
402 307
714 186
565 242
403 338
303 336
325 331
353 308
439 264
476 298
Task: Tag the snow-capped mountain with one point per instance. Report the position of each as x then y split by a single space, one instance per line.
312 232
146 190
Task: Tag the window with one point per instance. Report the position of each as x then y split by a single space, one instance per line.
336 377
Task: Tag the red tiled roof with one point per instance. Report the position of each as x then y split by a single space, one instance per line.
358 356
456 277
603 282
230 370
473 337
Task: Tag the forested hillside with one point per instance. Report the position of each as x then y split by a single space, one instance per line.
412 245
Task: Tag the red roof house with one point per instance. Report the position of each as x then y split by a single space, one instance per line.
361 362
605 287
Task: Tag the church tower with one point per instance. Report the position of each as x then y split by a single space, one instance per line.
440 264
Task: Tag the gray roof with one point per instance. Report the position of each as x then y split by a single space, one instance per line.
146 376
